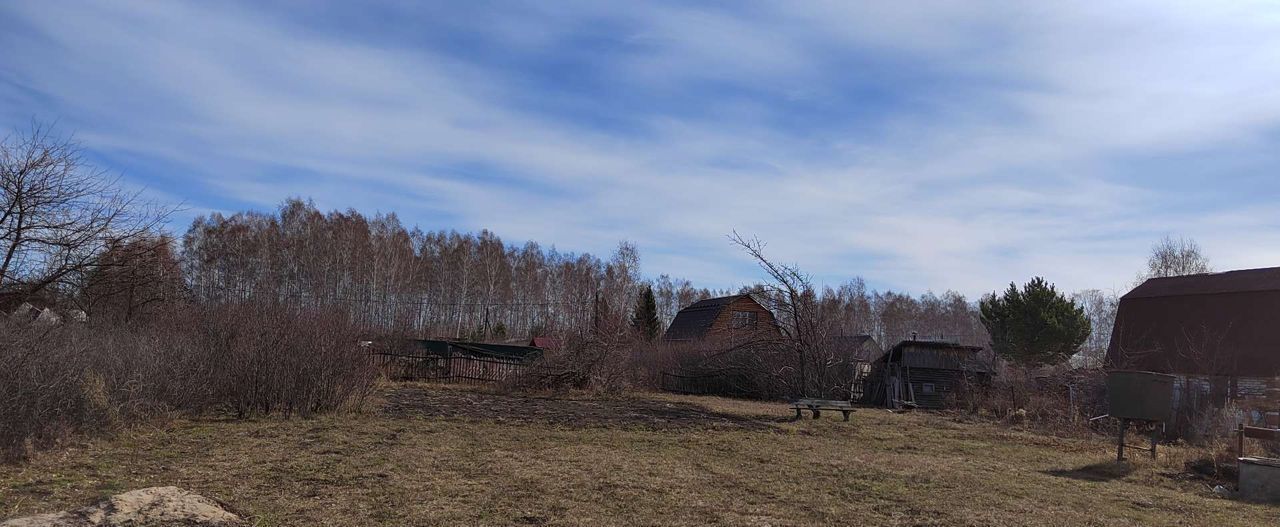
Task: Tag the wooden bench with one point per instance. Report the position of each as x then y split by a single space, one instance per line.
818 405
1253 432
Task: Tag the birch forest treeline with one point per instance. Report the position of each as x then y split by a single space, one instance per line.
475 285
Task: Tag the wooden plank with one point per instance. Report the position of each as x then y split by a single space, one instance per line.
1265 434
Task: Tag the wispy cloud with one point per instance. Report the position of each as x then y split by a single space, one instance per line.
944 146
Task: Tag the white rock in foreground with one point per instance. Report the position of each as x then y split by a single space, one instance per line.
151 507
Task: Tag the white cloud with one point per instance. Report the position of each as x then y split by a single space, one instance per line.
1006 175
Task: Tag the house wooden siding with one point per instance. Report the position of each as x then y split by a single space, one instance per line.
763 321
944 383
723 318
924 373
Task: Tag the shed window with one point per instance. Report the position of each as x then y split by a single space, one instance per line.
927 388
744 319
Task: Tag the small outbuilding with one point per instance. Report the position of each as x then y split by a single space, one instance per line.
925 374
860 352
448 360
861 348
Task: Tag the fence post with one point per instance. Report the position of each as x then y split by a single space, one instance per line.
1240 440
1124 424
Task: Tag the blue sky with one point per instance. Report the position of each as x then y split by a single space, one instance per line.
921 145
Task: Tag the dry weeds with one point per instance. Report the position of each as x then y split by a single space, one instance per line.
569 464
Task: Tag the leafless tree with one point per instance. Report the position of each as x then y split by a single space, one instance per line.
450 284
58 213
1175 257
1100 306
791 297
132 281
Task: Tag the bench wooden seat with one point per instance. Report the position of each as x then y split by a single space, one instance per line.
1253 432
818 405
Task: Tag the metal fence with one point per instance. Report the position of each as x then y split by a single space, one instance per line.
457 368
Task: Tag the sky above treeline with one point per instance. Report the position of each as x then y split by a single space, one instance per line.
921 145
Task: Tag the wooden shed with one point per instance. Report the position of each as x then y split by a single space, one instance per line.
860 352
925 374
446 360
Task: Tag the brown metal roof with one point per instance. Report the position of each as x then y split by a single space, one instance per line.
1208 324
692 322
1245 281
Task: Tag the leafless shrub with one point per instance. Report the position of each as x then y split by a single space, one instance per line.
266 358
1055 400
605 360
748 368
69 379
245 359
1198 418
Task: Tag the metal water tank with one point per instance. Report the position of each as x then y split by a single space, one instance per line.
1140 395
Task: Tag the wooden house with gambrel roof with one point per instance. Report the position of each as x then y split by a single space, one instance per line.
736 316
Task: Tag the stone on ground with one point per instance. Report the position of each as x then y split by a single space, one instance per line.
150 507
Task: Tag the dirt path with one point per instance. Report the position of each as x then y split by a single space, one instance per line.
605 412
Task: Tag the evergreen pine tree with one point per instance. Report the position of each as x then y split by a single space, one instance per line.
645 319
1034 326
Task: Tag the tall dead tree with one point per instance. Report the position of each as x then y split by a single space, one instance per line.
58 214
790 295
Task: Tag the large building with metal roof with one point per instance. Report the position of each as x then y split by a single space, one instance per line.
1215 324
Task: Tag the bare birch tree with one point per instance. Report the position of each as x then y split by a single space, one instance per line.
1100 306
1175 257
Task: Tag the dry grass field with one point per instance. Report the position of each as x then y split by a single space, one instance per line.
427 455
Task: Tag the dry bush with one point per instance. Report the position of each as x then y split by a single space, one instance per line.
71 379
1054 400
1214 460
602 362
246 359
46 389
265 358
1198 420
753 369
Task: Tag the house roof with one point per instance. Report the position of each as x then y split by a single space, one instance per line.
863 347
938 355
544 342
481 349
1244 281
693 322
1205 324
